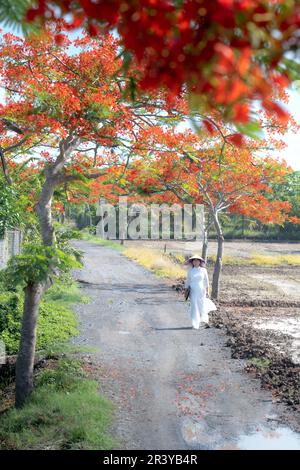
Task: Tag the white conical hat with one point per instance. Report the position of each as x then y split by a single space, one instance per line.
196 257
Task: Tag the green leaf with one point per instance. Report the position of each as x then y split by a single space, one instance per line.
252 129
292 67
12 15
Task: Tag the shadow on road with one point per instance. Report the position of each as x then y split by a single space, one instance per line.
180 328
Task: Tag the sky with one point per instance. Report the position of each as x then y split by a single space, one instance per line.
291 153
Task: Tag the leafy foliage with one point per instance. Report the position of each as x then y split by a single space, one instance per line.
226 53
36 262
56 323
9 210
12 14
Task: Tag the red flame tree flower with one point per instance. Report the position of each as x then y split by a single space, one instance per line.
224 52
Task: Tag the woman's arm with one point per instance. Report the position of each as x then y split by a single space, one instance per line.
206 282
188 279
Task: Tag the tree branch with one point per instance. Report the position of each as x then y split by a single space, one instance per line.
4 167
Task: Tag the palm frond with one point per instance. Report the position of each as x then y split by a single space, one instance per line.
13 14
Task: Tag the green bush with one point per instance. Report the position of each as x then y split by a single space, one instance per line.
56 322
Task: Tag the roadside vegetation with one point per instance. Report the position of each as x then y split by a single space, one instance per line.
65 411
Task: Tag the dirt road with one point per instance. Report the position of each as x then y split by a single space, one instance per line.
174 387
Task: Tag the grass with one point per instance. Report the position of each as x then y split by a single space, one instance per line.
65 294
293 260
257 259
64 412
259 363
157 262
57 321
100 241
60 349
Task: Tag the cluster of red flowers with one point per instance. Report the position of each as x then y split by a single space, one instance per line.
226 51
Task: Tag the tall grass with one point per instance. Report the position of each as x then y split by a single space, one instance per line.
157 262
258 259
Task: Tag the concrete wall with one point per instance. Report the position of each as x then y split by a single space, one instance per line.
10 245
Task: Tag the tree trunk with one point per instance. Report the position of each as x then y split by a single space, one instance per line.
205 246
218 263
205 239
33 294
25 360
89 214
43 209
34 291
243 226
